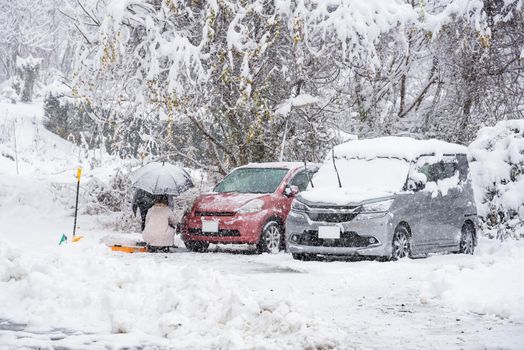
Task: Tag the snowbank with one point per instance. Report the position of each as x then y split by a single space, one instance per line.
491 283
85 287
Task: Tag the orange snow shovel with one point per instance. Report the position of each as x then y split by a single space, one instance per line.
128 249
78 175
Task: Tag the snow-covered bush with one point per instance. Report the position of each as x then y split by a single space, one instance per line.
498 170
8 94
27 69
111 201
114 195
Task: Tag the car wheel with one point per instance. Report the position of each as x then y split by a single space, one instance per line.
197 246
467 240
401 244
270 239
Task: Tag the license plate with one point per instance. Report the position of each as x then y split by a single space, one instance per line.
209 226
329 232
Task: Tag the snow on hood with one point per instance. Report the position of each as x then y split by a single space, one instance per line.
222 202
362 177
341 196
395 147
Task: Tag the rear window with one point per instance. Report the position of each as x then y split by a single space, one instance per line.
252 180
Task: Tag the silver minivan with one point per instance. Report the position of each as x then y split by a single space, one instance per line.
388 197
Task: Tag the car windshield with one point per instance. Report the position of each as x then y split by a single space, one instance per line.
252 180
378 174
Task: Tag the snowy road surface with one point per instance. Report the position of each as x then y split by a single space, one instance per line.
83 296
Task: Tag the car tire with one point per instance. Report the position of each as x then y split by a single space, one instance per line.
467 240
271 238
197 246
401 244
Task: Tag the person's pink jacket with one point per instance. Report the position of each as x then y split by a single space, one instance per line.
157 231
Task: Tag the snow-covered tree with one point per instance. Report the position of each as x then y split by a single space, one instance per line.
477 49
230 66
32 27
238 81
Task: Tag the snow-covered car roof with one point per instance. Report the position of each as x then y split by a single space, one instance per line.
396 147
281 165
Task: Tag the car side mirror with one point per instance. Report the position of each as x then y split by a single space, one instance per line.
291 191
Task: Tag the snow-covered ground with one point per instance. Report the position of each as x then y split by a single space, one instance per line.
83 296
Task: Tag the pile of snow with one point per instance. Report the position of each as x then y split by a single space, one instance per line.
461 284
86 287
35 198
497 163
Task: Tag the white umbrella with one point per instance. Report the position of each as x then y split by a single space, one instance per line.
161 178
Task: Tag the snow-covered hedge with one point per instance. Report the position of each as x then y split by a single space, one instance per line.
498 169
113 195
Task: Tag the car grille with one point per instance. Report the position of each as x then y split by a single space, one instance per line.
347 239
220 233
332 217
214 213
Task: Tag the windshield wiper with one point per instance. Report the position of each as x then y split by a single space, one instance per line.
335 166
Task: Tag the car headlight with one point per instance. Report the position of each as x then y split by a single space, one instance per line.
377 207
251 207
299 206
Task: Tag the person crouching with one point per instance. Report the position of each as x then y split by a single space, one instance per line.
160 226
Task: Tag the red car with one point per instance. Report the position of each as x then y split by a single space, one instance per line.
250 205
